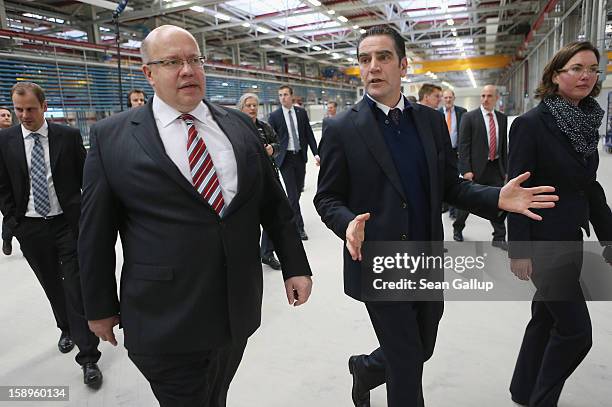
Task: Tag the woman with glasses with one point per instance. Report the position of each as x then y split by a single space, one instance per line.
249 104
557 142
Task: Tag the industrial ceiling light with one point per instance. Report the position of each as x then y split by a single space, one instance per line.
223 17
109 5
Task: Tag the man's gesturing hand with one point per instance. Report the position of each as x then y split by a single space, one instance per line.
522 268
514 198
298 289
355 235
103 328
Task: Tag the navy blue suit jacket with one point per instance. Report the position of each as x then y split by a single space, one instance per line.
357 175
277 121
537 145
67 156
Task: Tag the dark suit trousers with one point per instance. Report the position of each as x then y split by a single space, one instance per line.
49 246
492 177
407 334
452 211
293 171
7 233
559 334
191 380
267 247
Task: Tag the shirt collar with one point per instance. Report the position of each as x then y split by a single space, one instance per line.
451 109
287 109
485 111
43 131
166 114
401 104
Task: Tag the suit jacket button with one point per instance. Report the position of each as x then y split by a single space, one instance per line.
404 237
404 205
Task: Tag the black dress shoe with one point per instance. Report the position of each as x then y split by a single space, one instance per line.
359 393
458 236
92 376
272 262
7 247
502 244
65 343
303 235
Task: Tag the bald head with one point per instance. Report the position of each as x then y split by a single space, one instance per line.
159 35
173 67
489 97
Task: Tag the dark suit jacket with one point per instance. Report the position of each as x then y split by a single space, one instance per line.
191 281
473 144
358 175
67 156
538 145
277 121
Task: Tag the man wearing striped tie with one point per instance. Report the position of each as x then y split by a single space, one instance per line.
41 168
186 184
483 155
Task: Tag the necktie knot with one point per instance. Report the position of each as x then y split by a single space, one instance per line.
35 137
187 118
395 115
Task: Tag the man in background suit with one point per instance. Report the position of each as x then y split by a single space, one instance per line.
41 169
483 156
187 185
386 167
292 126
430 95
452 115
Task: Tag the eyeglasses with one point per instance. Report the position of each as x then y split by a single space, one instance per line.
578 71
177 63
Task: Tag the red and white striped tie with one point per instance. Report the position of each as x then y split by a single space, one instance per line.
492 138
203 173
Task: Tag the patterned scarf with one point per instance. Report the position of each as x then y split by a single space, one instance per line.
579 123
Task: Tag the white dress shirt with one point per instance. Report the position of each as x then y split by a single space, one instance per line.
485 116
28 143
291 146
173 132
386 109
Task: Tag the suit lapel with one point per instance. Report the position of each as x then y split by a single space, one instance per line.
145 132
55 146
366 127
283 124
426 134
17 148
237 136
549 121
484 138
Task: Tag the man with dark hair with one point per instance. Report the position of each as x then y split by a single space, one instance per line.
483 156
41 169
430 95
292 125
389 164
452 116
136 97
